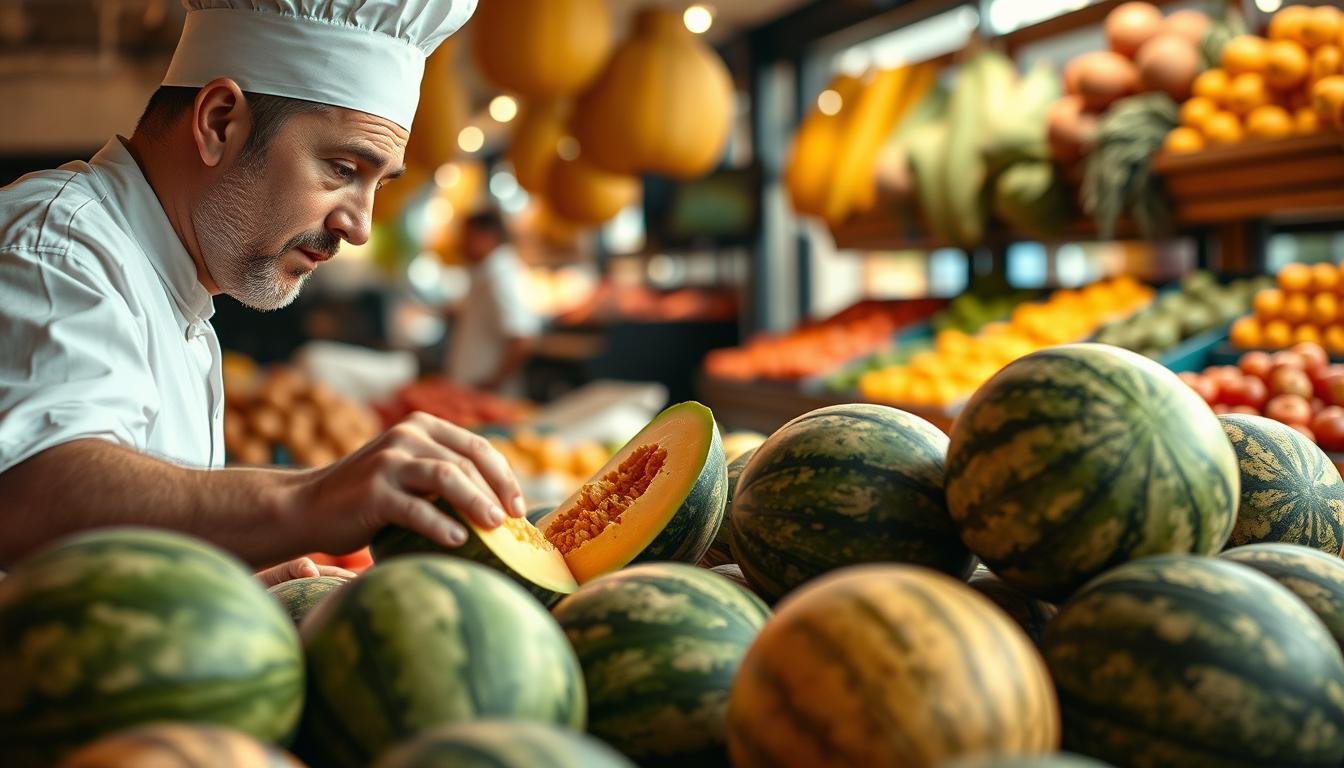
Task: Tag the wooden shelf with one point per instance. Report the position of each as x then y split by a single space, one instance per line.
1300 178
888 231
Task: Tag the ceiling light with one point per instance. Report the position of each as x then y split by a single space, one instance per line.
503 108
471 139
698 18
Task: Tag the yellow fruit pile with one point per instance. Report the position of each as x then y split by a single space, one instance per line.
530 454
1307 306
1291 83
958 363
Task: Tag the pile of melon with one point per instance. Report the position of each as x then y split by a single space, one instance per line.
1053 584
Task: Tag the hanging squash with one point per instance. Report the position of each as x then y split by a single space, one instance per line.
808 170
663 104
442 111
583 194
541 48
534 143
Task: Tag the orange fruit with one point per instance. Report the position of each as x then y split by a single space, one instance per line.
1333 337
1247 91
1327 98
1212 85
1326 61
1286 64
1287 24
1324 277
1246 333
1321 27
1183 139
1244 53
1295 278
1268 304
1297 308
1306 334
1277 335
1269 122
1223 128
1324 308
1196 109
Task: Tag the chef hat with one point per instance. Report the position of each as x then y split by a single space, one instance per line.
366 55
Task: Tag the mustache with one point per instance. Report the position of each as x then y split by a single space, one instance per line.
324 243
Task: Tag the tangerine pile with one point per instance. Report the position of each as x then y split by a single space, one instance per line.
1290 83
1306 307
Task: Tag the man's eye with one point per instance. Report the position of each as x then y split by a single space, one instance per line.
346 172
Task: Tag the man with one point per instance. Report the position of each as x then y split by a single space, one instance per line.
494 328
262 152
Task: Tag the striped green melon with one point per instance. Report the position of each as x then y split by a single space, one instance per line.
660 644
733 572
1030 613
123 626
721 551
1075 459
299 596
1058 760
427 640
536 567
1315 577
843 485
503 744
886 665
179 745
1290 490
1178 660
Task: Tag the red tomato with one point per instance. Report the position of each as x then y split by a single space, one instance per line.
1287 357
1245 409
1286 380
1334 389
1329 431
1326 413
1313 355
1305 430
1293 410
1221 409
1247 390
1320 380
1257 364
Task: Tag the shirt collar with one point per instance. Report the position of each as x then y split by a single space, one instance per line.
134 199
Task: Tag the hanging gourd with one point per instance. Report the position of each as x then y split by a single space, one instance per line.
663 104
541 48
583 194
808 171
441 114
534 141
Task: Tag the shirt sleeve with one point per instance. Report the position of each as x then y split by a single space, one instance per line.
73 363
507 284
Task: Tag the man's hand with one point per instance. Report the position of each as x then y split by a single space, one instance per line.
300 569
387 482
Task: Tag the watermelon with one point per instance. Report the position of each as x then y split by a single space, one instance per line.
299 596
1030 613
1075 459
721 551
1315 577
503 744
1058 760
842 485
885 665
117 627
659 644
733 572
1290 490
427 640
179 745
1178 660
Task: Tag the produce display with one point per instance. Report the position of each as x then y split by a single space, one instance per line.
612 302
633 632
178 744
1077 458
1030 613
959 363
1317 578
720 552
1298 387
819 347
531 455
449 400
1126 681
1287 84
502 744
300 596
283 410
1199 305
1304 308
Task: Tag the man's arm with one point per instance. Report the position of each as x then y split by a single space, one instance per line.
516 350
264 516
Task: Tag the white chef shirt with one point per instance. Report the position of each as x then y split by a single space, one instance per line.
494 310
104 327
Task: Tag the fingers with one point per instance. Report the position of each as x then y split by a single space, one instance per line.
419 515
489 462
294 569
454 485
337 571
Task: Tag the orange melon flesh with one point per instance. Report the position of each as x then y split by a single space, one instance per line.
686 434
522 547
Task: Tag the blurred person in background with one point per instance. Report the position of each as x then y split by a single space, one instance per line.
494 326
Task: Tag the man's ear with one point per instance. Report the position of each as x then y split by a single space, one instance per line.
220 121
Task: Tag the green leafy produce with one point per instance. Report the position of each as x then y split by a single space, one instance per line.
1119 178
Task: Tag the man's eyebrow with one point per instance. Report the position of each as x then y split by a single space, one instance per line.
373 158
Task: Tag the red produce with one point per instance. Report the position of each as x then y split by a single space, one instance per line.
1293 410
1247 391
1257 364
1288 380
1313 356
1329 429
